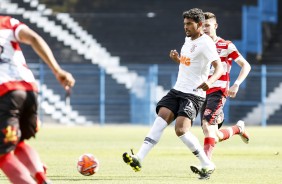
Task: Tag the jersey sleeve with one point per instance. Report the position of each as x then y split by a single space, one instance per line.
233 52
16 26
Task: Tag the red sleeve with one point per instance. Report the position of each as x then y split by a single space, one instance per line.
233 51
234 55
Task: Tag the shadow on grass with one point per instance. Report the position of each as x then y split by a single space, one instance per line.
121 178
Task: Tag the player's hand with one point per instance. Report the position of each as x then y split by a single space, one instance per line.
174 55
65 79
204 86
233 91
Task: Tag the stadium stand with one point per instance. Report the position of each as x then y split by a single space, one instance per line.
140 34
272 54
85 97
123 28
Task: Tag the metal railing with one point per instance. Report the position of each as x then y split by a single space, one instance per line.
255 92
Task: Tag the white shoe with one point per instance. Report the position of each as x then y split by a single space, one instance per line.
243 134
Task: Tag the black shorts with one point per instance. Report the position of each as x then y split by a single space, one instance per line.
212 110
18 118
181 104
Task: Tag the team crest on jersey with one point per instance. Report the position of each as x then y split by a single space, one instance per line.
219 50
193 48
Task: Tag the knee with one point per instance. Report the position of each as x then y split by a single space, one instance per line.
166 115
179 131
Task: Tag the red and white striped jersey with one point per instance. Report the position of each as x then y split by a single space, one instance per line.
14 73
227 52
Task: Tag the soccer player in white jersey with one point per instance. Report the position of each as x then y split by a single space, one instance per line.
184 101
18 101
212 112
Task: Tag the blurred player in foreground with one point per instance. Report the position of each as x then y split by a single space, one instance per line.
212 111
184 101
18 101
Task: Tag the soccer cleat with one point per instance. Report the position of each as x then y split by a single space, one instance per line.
195 169
243 134
204 172
132 161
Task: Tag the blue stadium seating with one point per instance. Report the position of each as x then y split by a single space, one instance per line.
128 30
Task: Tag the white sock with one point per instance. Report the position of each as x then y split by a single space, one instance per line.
152 137
194 145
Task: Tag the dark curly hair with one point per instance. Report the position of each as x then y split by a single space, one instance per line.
195 14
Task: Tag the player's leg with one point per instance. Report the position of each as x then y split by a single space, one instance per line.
238 129
29 126
30 158
212 114
182 127
15 170
188 110
151 139
209 141
10 106
210 138
165 117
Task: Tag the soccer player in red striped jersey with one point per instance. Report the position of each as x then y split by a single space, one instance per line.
212 111
18 101
212 117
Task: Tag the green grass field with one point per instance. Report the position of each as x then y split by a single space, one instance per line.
168 162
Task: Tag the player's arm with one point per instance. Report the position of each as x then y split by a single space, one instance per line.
174 56
218 71
245 69
30 37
